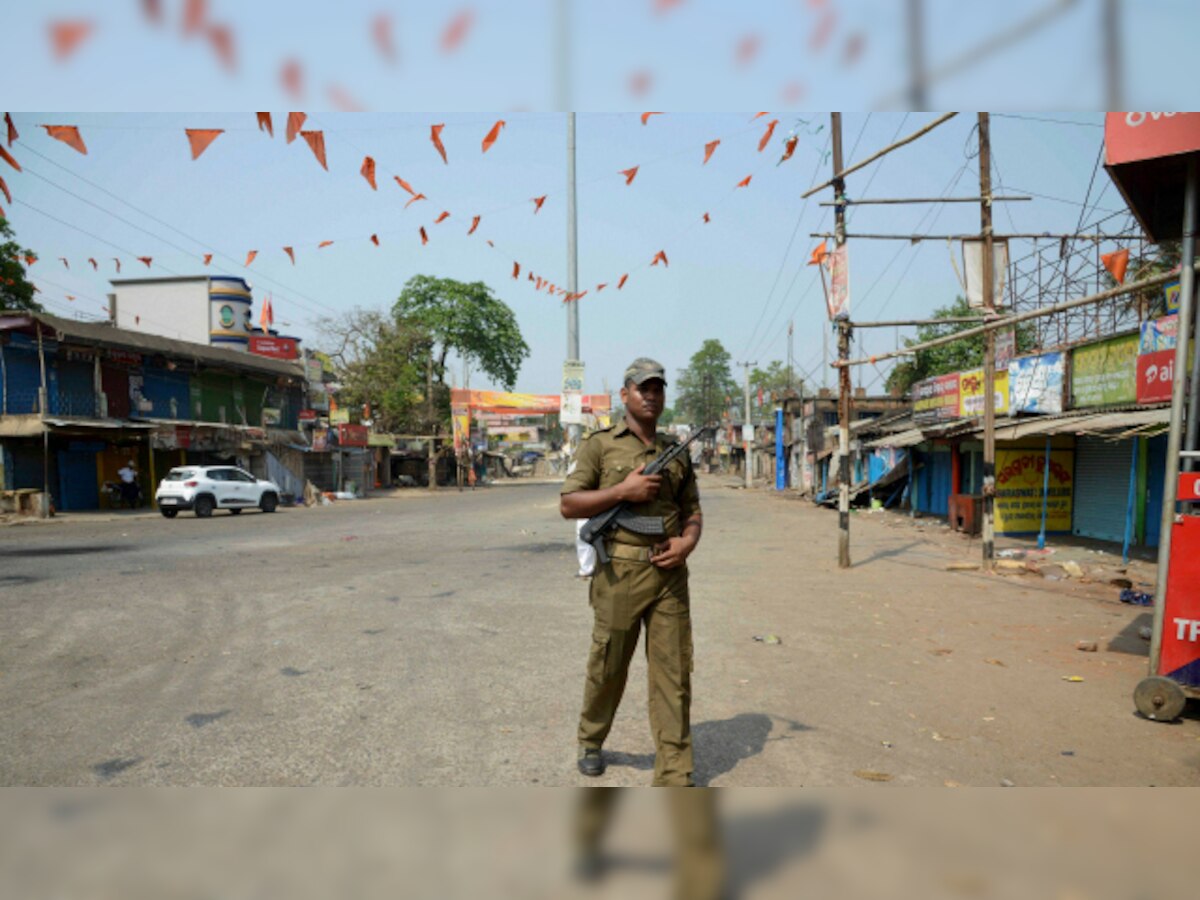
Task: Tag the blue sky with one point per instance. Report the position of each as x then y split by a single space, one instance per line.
732 279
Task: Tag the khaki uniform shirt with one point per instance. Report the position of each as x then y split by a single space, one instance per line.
607 456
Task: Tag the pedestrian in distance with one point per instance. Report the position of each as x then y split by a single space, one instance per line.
130 491
645 582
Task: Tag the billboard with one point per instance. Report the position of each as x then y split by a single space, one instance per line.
1035 383
1105 373
1020 487
275 347
935 400
971 393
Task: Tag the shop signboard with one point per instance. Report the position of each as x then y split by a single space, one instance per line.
971 394
320 441
275 347
1158 334
353 435
271 416
339 417
307 415
935 400
1105 373
1020 487
1035 384
1171 295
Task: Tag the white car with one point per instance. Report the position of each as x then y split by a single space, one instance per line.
205 488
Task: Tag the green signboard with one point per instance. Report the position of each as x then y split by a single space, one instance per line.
1105 373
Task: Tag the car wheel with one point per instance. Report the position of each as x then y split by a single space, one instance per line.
268 503
203 507
169 513
235 512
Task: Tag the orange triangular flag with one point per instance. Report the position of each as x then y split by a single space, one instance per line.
200 138
1116 263
291 254
267 317
424 236
516 269
788 149
8 158
264 123
435 135
630 174
581 295
538 283
118 262
762 144
818 255
404 184
63 260
758 115
537 203
324 244
12 129
95 265
646 116
745 182
474 224
71 297
442 217
708 150
415 198
4 188
250 257
368 171
375 239
706 218
146 259
621 283
316 141
492 135
66 36
601 286
294 124
529 277
68 134
30 259
207 260
660 256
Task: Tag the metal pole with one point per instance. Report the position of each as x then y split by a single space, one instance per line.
839 212
1187 282
918 85
747 428
43 403
572 261
989 353
1046 497
1129 502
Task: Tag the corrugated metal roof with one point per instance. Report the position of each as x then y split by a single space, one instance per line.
1102 423
909 438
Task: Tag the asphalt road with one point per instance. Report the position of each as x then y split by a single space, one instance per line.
440 640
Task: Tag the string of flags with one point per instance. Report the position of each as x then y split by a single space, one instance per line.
201 139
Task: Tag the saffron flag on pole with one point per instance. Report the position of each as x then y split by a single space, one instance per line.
69 135
67 36
817 257
200 138
1116 263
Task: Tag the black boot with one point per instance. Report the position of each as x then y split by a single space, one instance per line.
591 763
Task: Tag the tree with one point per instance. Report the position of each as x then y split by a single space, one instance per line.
16 292
466 319
381 363
955 356
775 377
702 388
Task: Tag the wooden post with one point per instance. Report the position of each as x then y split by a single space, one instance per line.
989 353
843 326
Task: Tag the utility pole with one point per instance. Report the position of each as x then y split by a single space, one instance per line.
432 429
843 326
747 428
572 263
917 81
989 352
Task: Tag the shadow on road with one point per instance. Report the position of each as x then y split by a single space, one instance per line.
59 550
1128 640
886 554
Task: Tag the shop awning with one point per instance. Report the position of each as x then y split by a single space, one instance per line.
21 426
909 438
1116 425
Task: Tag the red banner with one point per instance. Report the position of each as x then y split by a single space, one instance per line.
1136 136
1181 616
1155 375
352 435
275 347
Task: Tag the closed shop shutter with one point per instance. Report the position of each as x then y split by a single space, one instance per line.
1101 487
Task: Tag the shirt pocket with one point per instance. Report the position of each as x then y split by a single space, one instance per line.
612 474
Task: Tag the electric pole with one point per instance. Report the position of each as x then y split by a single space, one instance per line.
989 352
747 428
574 429
843 326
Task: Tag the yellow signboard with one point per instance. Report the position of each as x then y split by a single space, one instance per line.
971 395
1020 483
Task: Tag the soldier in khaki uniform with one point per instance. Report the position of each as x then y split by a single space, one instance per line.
646 581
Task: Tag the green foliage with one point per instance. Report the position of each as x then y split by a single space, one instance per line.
465 318
1152 303
774 378
955 356
702 388
16 292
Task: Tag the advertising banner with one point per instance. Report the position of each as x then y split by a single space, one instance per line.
352 435
337 416
839 283
1020 483
570 410
971 393
523 404
973 271
275 347
1035 383
1105 373
1135 136
935 400
1158 334
1171 296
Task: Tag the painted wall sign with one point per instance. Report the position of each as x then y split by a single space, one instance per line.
1020 483
935 399
1035 383
971 392
1105 373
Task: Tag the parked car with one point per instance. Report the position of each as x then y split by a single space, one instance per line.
205 488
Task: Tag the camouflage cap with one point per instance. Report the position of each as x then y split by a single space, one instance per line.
643 369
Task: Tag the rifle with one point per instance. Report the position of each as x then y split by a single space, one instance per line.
599 526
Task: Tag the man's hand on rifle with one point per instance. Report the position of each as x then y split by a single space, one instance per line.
639 488
672 552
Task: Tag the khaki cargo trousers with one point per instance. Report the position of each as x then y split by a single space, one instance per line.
625 594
